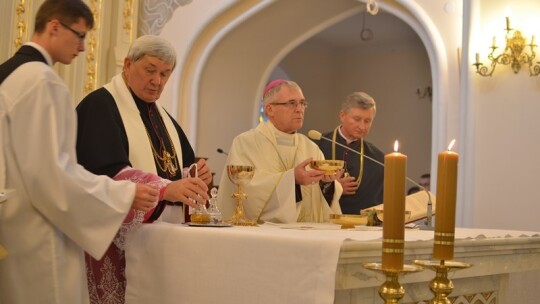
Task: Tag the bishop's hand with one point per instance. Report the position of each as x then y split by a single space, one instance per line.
302 176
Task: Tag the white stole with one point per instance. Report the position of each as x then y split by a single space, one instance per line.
140 146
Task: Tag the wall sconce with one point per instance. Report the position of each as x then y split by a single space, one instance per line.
513 54
423 93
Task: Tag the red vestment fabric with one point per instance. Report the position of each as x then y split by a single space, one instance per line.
106 277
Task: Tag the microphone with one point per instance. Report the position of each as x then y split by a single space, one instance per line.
219 150
316 135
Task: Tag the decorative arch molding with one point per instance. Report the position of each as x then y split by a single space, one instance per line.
189 78
154 14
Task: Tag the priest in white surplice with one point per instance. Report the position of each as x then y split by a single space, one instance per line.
284 189
58 208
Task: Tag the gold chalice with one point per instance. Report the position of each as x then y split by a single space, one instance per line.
240 176
329 166
349 220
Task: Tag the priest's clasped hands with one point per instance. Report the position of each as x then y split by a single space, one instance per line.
349 184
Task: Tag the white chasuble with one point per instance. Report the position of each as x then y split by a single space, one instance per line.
271 192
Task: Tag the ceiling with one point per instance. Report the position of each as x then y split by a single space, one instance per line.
384 27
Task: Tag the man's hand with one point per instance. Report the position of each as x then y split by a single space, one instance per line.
306 177
204 171
190 191
146 197
332 177
349 185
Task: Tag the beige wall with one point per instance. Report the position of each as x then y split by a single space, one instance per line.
182 30
501 132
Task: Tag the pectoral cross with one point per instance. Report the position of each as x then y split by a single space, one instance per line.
168 164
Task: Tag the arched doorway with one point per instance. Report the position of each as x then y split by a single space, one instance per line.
227 83
390 64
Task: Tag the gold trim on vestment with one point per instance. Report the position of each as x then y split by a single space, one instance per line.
20 9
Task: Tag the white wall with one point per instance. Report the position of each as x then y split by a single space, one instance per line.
185 25
503 112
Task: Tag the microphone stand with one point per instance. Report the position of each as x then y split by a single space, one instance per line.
429 218
315 135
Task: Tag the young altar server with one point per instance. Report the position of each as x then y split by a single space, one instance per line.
59 209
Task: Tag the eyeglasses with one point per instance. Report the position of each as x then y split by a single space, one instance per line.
80 35
292 104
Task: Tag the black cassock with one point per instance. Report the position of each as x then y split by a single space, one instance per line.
370 192
102 142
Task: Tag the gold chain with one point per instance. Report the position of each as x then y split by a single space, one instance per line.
167 159
170 162
361 173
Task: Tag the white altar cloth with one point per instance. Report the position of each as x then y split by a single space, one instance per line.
296 263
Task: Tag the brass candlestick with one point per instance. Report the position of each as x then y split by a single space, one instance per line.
240 175
441 286
391 291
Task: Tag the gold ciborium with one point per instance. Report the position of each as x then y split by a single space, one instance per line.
349 220
329 166
240 176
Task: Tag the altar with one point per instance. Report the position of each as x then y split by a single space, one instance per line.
310 263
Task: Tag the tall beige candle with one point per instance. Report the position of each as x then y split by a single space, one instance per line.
395 167
445 220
